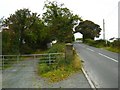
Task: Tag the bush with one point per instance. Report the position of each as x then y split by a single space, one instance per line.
57 48
25 49
98 43
43 68
90 42
62 68
116 43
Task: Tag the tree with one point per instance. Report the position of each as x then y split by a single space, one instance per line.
88 29
18 23
1 22
60 21
29 30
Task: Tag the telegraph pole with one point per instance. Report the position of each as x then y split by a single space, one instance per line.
119 19
104 32
103 29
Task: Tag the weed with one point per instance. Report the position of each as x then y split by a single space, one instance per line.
62 70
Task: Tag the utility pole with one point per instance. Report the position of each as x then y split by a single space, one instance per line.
103 29
104 32
119 19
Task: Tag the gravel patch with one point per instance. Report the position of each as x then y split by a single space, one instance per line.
25 77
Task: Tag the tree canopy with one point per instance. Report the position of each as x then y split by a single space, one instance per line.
88 29
28 32
60 21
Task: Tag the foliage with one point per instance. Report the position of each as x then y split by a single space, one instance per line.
89 29
1 22
78 38
26 32
111 46
60 21
114 46
57 48
116 43
9 42
97 43
90 42
61 70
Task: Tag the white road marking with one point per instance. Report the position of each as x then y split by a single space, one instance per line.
83 46
108 57
89 80
90 49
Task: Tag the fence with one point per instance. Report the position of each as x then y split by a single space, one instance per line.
50 58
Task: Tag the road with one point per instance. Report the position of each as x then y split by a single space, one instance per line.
100 65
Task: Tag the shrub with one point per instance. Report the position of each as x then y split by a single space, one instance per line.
43 68
90 42
56 48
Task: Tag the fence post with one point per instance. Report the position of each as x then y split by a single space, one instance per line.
34 57
17 59
49 59
3 62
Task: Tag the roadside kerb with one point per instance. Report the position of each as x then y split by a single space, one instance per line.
87 77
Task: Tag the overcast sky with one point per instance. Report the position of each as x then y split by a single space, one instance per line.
94 10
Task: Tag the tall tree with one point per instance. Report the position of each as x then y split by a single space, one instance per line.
60 21
28 29
88 29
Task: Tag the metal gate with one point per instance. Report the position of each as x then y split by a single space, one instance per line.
19 71
9 61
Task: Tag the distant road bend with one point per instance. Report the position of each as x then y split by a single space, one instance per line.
100 65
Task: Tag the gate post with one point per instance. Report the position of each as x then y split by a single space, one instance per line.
69 52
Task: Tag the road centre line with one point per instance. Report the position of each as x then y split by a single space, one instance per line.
103 55
90 49
108 57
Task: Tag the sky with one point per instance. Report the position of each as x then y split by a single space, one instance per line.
94 10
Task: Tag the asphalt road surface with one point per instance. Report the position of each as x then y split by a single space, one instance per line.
100 65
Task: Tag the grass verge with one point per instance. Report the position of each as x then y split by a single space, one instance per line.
117 50
110 46
60 71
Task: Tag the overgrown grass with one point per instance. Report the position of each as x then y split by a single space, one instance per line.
113 49
110 46
61 70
